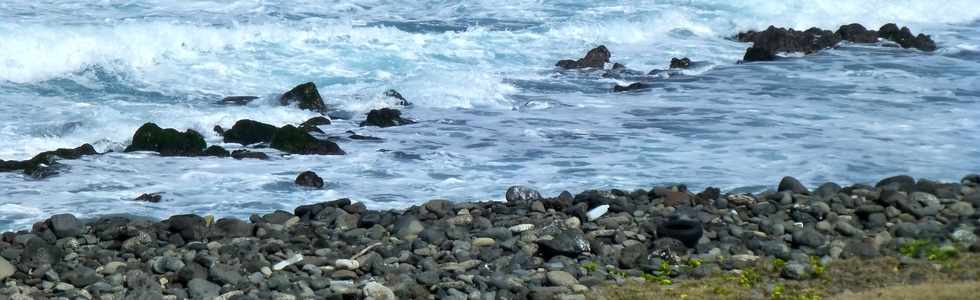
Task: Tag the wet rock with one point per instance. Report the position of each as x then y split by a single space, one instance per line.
307 97
65 225
247 132
758 54
905 38
856 33
312 125
792 185
45 164
309 179
216 151
149 197
246 154
765 44
595 58
682 63
385 117
293 140
168 142
631 87
237 100
520 193
394 94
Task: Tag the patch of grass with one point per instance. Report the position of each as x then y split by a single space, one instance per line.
852 276
778 265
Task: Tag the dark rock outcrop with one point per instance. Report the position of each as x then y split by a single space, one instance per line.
385 117
245 154
680 63
595 58
247 132
312 124
631 87
149 197
293 140
168 142
905 38
237 100
765 44
396 95
306 95
216 151
309 179
45 164
856 33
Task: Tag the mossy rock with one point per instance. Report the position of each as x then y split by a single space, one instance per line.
247 132
168 142
293 140
306 95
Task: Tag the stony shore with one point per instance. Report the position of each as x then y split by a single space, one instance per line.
529 247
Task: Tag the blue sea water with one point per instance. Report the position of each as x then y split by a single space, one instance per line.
492 110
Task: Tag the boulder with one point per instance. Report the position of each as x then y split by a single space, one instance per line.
65 225
385 117
595 58
190 227
309 179
793 185
293 140
312 124
306 95
680 63
247 132
520 193
569 243
216 151
168 142
245 154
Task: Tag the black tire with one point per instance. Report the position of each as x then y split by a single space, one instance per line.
687 231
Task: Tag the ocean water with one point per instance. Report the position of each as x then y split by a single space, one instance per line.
492 110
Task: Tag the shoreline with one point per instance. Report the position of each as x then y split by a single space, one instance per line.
529 247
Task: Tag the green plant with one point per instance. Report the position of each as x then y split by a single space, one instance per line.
615 272
928 250
778 292
590 266
746 278
778 265
818 269
694 263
